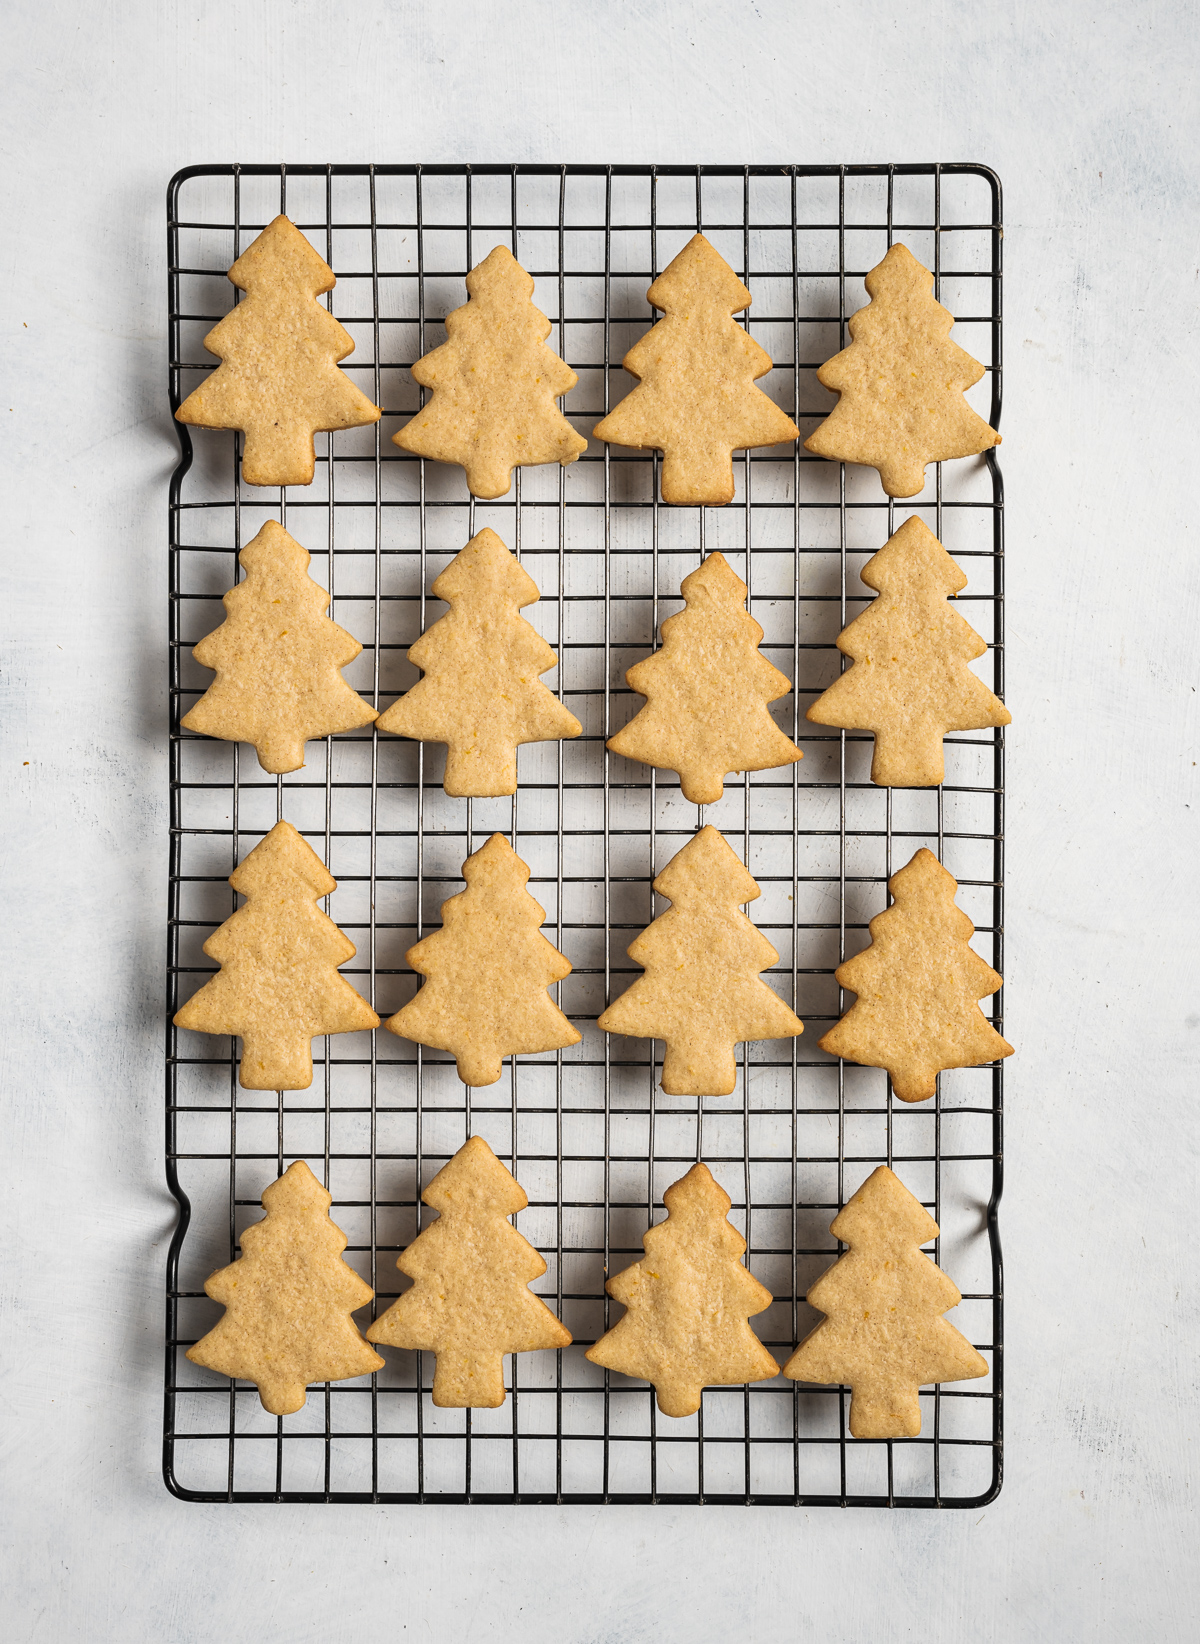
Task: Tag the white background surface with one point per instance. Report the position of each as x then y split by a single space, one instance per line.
1089 113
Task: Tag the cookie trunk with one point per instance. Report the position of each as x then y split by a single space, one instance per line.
270 1065
678 1401
468 1381
692 1067
696 476
880 1411
901 476
478 772
701 785
914 1083
280 754
282 1398
908 757
278 455
479 1065
488 477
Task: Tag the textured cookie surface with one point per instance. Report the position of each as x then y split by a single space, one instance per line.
696 399
278 986
469 1303
688 1301
481 694
707 691
701 992
279 380
910 682
277 659
918 985
884 1336
487 971
901 383
288 1300
495 383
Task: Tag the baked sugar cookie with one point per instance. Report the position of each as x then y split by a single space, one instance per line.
279 380
687 1303
495 384
487 973
707 691
884 1336
278 659
481 694
910 682
696 399
288 1300
918 983
278 987
701 992
901 383
470 1303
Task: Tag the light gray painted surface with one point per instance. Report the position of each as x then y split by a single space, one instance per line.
1089 114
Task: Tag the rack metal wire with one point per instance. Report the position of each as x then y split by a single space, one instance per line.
587 1132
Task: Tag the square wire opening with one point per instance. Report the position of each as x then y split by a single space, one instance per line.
585 1130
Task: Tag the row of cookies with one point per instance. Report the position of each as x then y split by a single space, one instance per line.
488 970
278 660
495 382
290 1296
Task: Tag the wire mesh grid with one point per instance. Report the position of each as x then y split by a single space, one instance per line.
586 1130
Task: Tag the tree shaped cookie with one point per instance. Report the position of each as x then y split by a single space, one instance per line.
487 971
901 383
687 1303
495 384
288 1300
279 380
277 658
918 985
910 682
884 1336
481 694
278 986
707 691
702 993
470 1302
696 399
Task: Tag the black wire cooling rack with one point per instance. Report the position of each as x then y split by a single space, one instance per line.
586 1130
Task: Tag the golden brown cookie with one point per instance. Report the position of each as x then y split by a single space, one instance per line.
495 384
696 401
288 1300
488 970
707 691
278 987
701 992
884 1336
901 383
481 694
918 985
278 659
910 682
470 1302
687 1303
279 380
